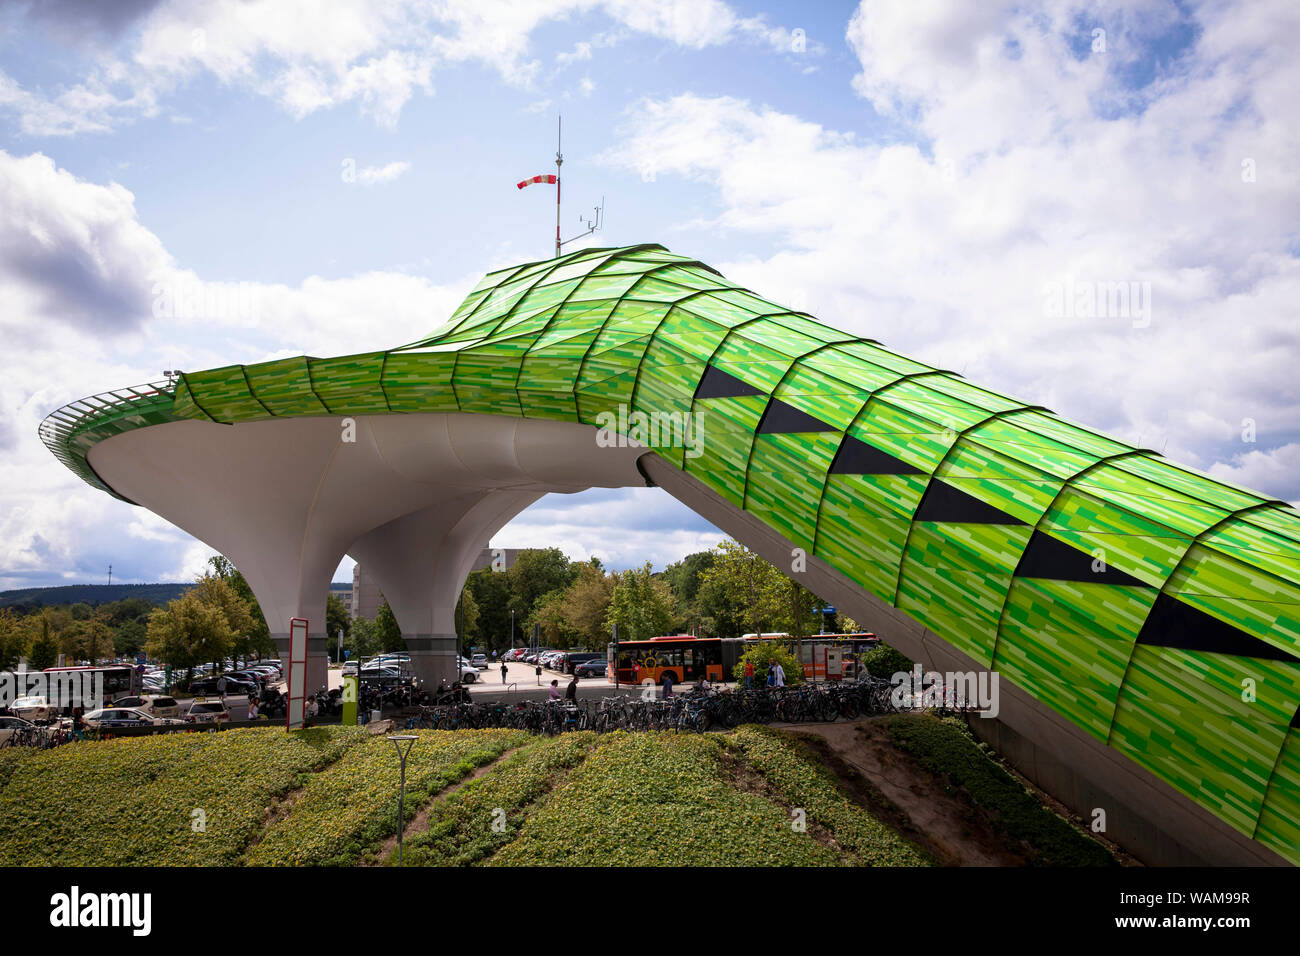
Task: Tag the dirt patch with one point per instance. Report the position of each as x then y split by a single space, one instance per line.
909 798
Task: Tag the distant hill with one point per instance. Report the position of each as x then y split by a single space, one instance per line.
91 594
94 594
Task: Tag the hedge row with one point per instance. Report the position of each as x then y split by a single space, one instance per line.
945 747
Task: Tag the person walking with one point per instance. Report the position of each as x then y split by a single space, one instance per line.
771 676
554 692
504 672
668 684
749 674
571 692
252 708
221 686
778 674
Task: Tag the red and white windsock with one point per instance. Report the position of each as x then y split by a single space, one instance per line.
536 179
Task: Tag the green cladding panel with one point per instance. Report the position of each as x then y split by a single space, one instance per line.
1154 607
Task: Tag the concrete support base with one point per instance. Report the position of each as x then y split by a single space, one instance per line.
433 657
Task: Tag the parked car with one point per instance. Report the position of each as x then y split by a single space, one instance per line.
208 685
572 659
350 667
11 725
109 717
247 677
480 661
153 705
207 710
468 674
32 709
592 668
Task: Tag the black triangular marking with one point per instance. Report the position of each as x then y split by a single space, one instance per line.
1051 558
943 502
1172 623
1295 721
783 419
719 384
858 458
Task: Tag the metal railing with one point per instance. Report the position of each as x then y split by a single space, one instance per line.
59 429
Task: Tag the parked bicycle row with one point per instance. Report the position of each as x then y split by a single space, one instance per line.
698 711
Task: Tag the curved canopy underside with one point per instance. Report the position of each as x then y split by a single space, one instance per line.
1129 597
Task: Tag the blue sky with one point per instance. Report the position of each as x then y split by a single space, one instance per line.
920 172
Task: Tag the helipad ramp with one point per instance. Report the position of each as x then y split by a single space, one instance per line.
1144 619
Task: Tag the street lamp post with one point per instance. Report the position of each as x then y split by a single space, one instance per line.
398 740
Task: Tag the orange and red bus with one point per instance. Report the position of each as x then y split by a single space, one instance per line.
686 657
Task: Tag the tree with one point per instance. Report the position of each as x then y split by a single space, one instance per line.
548 615
256 639
642 605
364 639
585 606
12 641
45 645
685 578
388 631
467 618
220 593
537 572
189 631
741 593
491 590
336 619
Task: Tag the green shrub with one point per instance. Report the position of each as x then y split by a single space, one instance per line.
884 662
762 654
945 747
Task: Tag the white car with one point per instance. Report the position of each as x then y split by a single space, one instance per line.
151 704
109 717
207 710
32 709
480 661
12 725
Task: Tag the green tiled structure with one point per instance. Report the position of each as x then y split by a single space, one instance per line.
1155 608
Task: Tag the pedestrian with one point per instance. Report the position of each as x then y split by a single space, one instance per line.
771 676
252 708
749 674
554 693
571 692
221 686
494 654
504 672
668 684
778 674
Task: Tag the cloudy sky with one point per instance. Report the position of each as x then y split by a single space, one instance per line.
952 179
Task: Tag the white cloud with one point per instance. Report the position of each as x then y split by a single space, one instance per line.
376 54
82 282
370 175
1037 167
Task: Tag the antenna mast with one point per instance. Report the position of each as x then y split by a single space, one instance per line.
559 159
